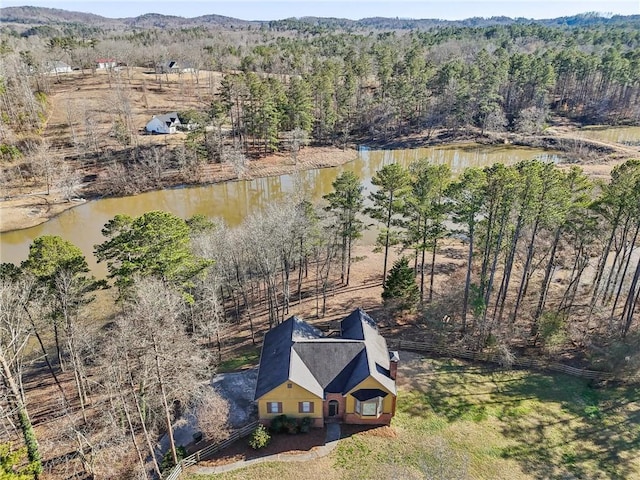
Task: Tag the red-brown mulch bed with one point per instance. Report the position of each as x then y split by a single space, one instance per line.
368 430
280 443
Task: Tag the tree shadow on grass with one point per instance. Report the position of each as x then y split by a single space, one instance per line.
557 426
595 430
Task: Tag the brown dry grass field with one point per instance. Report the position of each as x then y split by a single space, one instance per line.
78 96
84 101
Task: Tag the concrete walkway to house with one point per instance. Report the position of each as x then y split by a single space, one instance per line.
331 440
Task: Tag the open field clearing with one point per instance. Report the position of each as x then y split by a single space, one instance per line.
460 420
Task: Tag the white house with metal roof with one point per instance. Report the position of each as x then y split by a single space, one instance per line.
167 123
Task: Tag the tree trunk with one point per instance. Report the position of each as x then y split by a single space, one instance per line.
624 273
29 436
349 260
603 258
544 288
143 424
506 276
525 270
467 282
492 272
433 266
167 412
629 306
57 340
132 432
618 248
46 357
386 240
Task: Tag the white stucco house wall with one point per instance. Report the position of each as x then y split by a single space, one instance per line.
167 123
105 63
57 67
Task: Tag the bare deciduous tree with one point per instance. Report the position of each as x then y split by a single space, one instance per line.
174 362
234 157
212 413
68 181
14 337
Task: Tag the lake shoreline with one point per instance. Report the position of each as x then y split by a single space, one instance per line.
32 209
29 210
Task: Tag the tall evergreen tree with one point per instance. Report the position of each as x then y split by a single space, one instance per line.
468 199
346 203
426 211
153 244
393 183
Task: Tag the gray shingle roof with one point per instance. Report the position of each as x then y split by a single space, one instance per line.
170 119
298 352
327 359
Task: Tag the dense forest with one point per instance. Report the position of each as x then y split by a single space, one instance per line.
550 263
329 84
552 267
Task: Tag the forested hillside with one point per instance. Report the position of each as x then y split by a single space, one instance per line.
372 82
295 82
532 259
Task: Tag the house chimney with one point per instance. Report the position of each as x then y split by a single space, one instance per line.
393 364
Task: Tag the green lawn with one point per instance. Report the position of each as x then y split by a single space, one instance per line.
247 358
457 420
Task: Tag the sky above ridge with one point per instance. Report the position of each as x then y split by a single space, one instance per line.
353 9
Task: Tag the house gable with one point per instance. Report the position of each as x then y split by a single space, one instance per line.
276 358
166 123
299 364
368 390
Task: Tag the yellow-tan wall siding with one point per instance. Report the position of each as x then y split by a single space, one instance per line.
370 382
289 398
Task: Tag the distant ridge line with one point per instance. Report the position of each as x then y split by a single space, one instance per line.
30 15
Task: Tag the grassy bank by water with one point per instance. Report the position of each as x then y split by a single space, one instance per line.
460 420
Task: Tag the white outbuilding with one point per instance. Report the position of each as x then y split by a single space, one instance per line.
57 67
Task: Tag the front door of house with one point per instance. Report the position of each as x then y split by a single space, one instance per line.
333 408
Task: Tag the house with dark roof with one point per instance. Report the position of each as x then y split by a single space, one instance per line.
172 66
350 377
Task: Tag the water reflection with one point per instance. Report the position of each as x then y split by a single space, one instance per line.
605 133
233 201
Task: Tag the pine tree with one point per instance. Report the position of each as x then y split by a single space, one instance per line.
400 289
393 182
346 202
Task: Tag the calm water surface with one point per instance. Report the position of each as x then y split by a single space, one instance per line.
605 133
233 201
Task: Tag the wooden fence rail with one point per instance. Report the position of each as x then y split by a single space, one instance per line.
426 347
208 451
523 362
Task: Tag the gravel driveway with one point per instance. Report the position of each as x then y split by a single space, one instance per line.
238 389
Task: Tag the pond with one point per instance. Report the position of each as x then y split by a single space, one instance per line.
607 133
233 201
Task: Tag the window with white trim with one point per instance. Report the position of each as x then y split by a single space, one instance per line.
369 408
305 407
274 407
